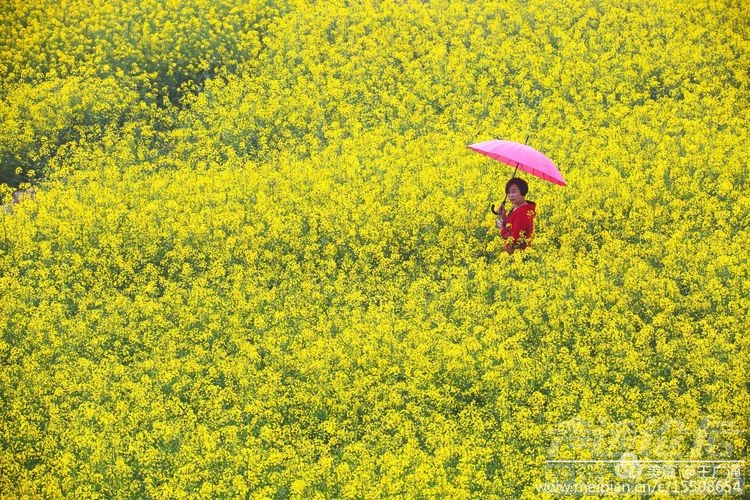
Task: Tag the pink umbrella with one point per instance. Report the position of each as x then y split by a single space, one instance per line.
522 157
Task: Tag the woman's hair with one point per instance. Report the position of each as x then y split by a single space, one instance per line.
519 183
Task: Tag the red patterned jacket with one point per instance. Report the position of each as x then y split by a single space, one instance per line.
519 227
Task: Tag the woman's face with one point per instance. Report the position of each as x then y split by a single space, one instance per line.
514 195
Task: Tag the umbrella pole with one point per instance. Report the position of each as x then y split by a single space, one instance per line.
512 177
506 194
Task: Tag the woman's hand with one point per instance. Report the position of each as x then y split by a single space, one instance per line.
501 217
501 212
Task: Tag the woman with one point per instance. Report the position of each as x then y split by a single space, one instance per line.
517 227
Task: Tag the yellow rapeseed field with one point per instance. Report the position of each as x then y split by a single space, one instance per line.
251 255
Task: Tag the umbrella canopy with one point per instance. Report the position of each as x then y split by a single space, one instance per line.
522 157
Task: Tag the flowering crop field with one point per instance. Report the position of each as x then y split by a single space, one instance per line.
255 258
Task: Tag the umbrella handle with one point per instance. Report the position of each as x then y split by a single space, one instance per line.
497 212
